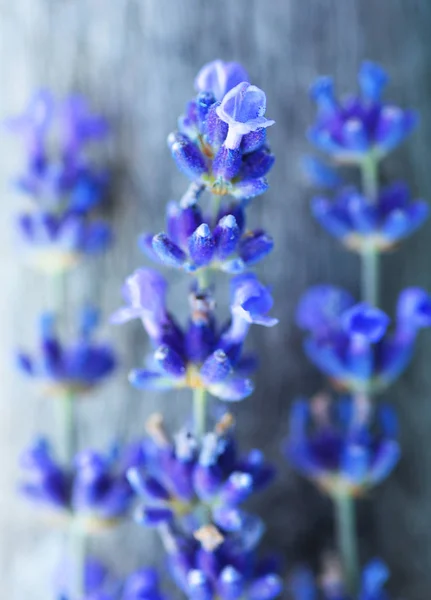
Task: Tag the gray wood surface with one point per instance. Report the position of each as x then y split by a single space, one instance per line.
136 60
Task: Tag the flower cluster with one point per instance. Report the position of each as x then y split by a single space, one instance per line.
348 341
62 181
336 446
100 584
186 477
192 244
221 141
303 585
93 489
352 129
214 566
73 369
202 356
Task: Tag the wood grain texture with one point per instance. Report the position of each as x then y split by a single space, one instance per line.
136 60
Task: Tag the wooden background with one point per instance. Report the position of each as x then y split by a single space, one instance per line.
136 60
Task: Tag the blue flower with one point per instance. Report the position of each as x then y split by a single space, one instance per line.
191 244
216 566
60 173
221 143
184 477
349 342
304 586
218 78
73 369
339 448
93 489
243 109
55 243
353 128
100 584
63 183
364 225
201 356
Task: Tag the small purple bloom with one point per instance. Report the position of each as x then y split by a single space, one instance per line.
251 301
356 127
73 369
243 109
94 486
191 244
183 473
349 342
374 226
343 453
219 77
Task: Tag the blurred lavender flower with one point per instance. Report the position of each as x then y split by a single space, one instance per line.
352 129
99 584
200 356
73 369
63 182
348 342
191 244
373 226
303 585
340 446
220 566
221 142
94 490
185 477
54 243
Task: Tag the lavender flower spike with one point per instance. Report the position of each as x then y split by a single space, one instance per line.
243 109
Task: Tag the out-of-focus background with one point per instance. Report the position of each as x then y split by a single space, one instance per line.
136 61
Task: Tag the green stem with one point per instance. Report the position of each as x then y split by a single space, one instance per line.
347 539
369 255
199 412
216 200
69 429
78 542
202 277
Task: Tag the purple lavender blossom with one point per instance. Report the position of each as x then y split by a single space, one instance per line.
62 181
202 355
348 342
191 244
221 142
218 78
374 226
100 584
339 447
184 476
93 489
216 566
352 129
304 586
73 369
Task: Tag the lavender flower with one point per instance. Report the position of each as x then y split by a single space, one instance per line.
221 142
372 226
218 78
192 244
94 489
219 567
100 584
339 447
200 356
73 369
361 126
55 243
348 342
62 181
184 477
303 585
